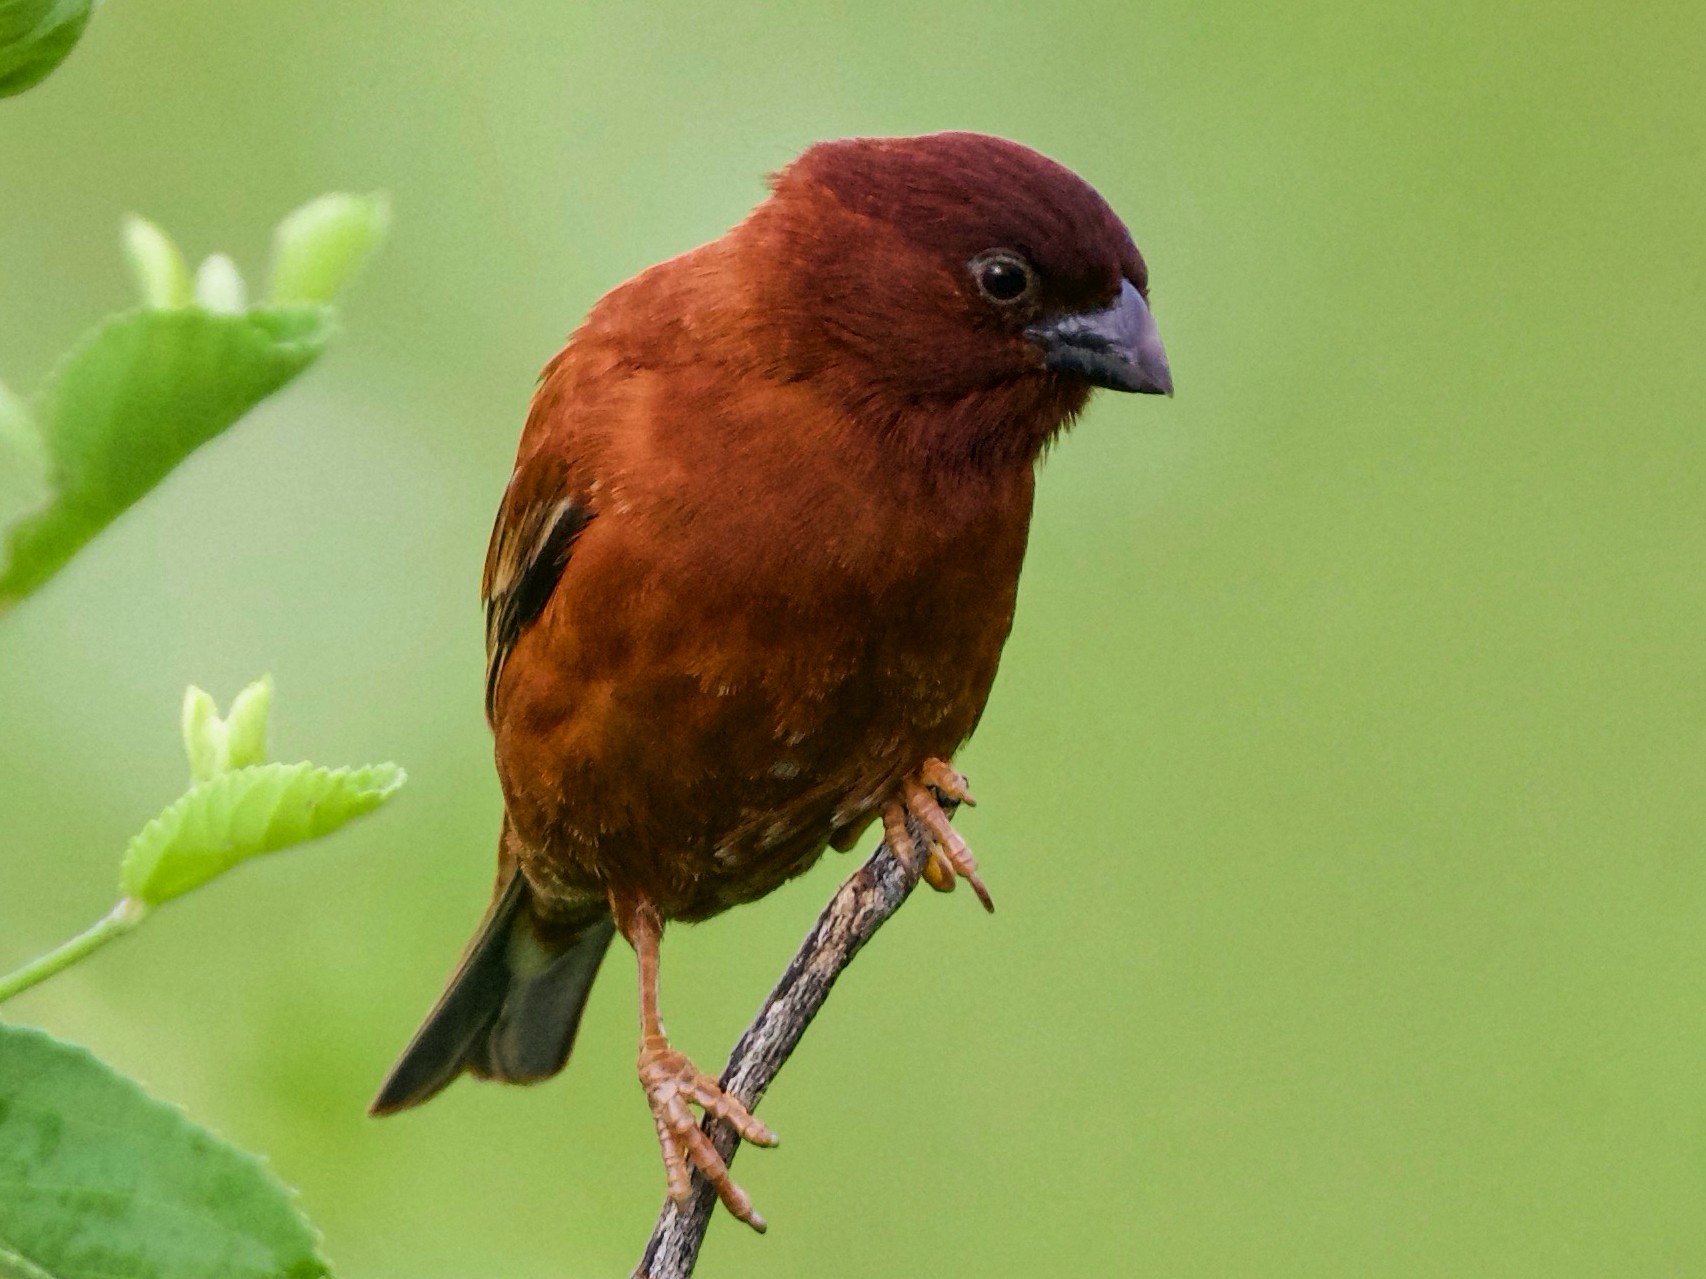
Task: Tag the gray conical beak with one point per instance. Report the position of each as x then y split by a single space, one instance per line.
1119 348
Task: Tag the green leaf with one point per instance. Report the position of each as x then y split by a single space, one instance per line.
320 248
12 1266
35 36
238 815
162 279
98 1180
132 401
24 487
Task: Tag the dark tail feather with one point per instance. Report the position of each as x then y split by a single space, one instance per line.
511 1011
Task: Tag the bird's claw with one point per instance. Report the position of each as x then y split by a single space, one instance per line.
673 1083
946 782
938 871
950 858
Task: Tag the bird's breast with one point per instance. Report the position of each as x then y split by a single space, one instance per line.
727 676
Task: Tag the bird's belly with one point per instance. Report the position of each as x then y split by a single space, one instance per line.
707 769
794 773
703 794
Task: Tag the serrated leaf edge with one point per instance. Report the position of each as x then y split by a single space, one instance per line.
173 812
195 792
259 1163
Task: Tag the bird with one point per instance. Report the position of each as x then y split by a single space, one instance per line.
751 576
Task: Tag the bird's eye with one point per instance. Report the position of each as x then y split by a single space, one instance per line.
1002 276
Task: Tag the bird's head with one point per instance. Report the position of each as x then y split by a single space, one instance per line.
955 269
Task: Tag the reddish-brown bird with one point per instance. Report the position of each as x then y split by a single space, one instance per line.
752 574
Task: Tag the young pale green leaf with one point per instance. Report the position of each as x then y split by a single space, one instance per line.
204 736
132 401
246 725
219 286
216 745
24 486
162 279
320 248
35 37
221 823
102 1181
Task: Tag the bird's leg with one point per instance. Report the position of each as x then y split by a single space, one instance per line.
920 797
672 1081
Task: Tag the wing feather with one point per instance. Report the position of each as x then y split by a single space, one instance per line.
537 524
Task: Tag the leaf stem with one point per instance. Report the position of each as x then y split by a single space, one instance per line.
115 924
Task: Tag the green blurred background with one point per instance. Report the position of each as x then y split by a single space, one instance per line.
1345 784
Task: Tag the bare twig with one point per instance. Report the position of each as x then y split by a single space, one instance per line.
861 905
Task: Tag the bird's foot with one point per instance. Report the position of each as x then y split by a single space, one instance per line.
671 1082
921 798
946 782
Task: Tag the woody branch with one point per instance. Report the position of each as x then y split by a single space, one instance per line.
860 907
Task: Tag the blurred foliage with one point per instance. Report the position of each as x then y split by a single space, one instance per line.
321 247
148 387
35 37
23 462
102 1181
1342 785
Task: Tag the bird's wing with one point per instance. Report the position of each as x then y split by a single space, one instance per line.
537 524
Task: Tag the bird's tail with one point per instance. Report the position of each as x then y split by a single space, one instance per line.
511 1011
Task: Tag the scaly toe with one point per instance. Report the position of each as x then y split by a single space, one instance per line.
897 835
921 803
672 1081
709 1094
946 782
